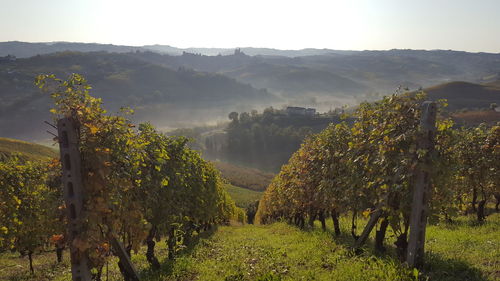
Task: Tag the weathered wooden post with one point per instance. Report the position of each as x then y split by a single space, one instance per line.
73 196
73 193
422 187
374 217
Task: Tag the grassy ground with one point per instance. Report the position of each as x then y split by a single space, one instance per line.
243 197
458 251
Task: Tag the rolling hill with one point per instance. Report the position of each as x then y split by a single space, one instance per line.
166 97
31 151
244 177
27 49
296 80
465 95
474 118
302 71
175 87
243 197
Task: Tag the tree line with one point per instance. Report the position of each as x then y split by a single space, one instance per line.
264 140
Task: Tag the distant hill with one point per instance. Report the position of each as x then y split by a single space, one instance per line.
167 97
341 73
243 197
30 151
380 71
26 49
295 80
495 83
474 118
244 177
465 95
178 88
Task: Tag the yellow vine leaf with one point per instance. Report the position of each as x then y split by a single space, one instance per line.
93 129
366 213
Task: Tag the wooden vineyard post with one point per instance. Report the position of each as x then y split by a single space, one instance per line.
73 193
73 197
124 258
368 228
422 187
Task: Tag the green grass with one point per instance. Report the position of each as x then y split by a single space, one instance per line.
459 251
31 151
464 248
280 252
243 197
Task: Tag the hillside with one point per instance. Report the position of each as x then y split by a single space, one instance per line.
26 49
474 118
264 140
293 81
323 72
243 197
248 178
190 89
338 78
31 151
166 97
465 95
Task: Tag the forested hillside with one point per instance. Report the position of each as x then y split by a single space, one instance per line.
349 73
169 89
336 78
165 96
257 140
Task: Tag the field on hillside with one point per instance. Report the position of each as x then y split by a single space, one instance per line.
243 197
244 177
458 251
474 118
29 150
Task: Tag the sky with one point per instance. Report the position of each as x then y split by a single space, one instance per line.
467 25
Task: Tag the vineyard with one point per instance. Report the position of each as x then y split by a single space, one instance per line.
145 189
139 186
369 169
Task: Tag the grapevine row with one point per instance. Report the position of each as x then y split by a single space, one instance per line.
139 184
370 165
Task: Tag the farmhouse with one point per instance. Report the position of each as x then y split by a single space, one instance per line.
293 110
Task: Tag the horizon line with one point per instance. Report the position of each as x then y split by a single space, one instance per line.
247 47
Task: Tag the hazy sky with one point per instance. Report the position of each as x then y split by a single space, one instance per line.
357 25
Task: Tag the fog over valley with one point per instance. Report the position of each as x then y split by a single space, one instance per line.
179 89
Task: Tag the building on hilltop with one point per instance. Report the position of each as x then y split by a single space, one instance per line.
310 111
293 110
238 52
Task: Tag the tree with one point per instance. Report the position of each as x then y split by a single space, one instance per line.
233 116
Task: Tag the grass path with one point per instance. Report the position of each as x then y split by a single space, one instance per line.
458 251
280 252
